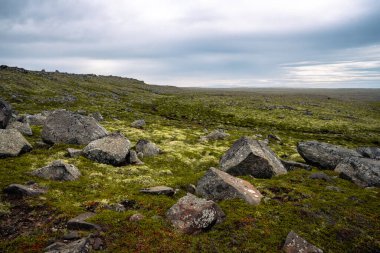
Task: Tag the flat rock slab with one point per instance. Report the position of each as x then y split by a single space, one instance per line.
79 222
296 244
219 185
112 149
5 113
369 152
59 171
63 126
192 215
251 157
19 190
72 152
364 172
159 190
12 143
147 148
291 165
22 127
324 155
78 246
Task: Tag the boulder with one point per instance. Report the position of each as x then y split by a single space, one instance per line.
159 190
12 143
369 152
22 127
192 215
80 223
72 152
62 126
36 119
147 148
5 113
215 135
364 172
19 190
291 165
251 157
78 246
112 149
138 123
324 155
59 171
296 244
219 185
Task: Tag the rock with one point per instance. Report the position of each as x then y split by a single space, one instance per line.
12 143
333 188
159 190
97 243
116 207
218 185
59 171
291 165
79 246
251 157
19 190
324 155
136 217
97 116
133 158
5 113
369 152
364 172
138 123
62 126
79 222
112 149
190 188
274 137
321 176
296 244
22 127
215 135
129 204
147 148
192 215
72 152
71 235
36 119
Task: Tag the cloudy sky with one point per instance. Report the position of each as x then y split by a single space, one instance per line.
214 43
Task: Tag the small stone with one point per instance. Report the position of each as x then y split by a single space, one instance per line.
274 137
159 190
22 127
138 123
79 246
12 143
79 222
148 148
291 165
58 170
133 158
333 188
19 191
72 152
71 235
296 244
136 217
321 176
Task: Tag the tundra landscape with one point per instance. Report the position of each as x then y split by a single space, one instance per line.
111 164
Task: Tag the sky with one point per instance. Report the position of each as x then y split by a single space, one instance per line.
213 43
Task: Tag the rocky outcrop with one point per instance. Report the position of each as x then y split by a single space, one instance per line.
147 148
12 143
219 185
192 215
324 155
296 244
364 172
5 113
63 126
22 127
159 190
291 165
251 157
19 190
138 123
59 171
112 149
369 152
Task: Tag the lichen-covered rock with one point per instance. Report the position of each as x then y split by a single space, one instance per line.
63 126
369 152
324 155
59 171
12 143
215 135
19 190
138 123
296 244
364 172
78 246
22 127
292 165
192 215
219 185
36 119
72 152
251 157
159 190
147 148
112 149
5 113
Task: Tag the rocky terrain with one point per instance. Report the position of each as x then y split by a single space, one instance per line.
110 164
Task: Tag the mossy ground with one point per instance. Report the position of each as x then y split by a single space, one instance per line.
345 221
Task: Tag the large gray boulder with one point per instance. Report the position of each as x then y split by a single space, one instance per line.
364 172
147 148
251 157
112 149
219 185
5 113
63 126
324 155
296 244
12 143
192 215
369 152
59 171
22 127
